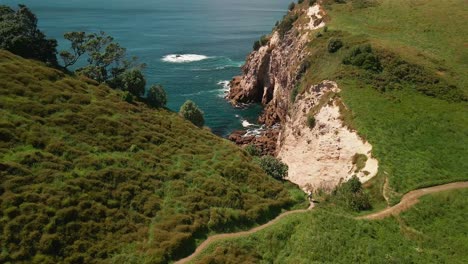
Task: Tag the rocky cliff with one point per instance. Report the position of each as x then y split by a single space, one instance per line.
271 72
318 156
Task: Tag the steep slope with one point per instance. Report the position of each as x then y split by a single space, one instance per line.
86 177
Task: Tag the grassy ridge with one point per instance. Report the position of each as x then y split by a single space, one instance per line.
428 233
86 177
432 33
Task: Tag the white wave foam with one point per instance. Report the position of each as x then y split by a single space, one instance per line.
246 123
255 130
226 87
184 58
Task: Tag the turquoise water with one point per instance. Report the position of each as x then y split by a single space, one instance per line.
219 32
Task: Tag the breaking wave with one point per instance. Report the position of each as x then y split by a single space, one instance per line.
184 58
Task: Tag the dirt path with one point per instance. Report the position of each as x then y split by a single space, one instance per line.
407 201
214 238
412 198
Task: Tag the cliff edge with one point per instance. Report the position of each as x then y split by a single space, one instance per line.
318 157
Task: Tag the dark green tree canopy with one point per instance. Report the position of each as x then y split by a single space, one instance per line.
191 112
134 82
107 60
20 35
157 96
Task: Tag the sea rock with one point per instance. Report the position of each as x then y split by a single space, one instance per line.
266 141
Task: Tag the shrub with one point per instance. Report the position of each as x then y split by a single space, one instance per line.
273 167
359 160
190 111
311 121
286 24
157 96
300 1
261 42
312 2
363 56
127 97
253 150
291 6
351 195
294 93
334 45
134 82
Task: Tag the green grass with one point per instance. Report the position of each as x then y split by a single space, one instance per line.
432 33
86 177
418 140
434 231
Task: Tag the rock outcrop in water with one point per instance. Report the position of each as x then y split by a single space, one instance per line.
270 73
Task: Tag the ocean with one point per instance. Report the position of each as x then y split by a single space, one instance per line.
213 38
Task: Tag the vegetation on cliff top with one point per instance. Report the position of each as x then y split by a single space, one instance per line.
87 177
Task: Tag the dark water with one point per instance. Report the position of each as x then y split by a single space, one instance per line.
220 32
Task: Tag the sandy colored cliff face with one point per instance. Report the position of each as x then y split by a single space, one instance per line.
322 156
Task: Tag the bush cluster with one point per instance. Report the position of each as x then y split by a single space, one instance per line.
364 57
274 167
387 71
252 150
334 45
351 195
156 96
190 111
261 42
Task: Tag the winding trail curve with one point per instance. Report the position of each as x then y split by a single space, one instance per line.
406 202
412 198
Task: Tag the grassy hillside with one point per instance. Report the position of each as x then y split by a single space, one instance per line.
87 178
434 231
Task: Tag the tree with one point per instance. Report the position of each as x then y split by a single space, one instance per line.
291 6
106 58
190 111
20 35
157 96
133 81
78 47
274 167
